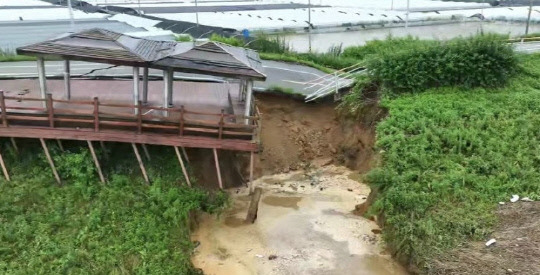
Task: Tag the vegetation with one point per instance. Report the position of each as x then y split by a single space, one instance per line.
85 227
277 48
480 61
184 38
461 135
8 56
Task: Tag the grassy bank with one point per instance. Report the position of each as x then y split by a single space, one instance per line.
449 155
85 227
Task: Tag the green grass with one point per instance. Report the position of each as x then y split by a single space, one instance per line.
85 227
449 155
15 58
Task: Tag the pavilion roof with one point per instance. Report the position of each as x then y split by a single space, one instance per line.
104 46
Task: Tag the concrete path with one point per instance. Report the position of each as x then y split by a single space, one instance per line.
285 75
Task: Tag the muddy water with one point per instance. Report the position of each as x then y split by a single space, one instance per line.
305 225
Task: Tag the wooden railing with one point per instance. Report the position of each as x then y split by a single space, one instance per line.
99 116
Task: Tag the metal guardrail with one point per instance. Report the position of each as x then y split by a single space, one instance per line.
332 83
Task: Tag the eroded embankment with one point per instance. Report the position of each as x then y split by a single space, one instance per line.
295 135
307 221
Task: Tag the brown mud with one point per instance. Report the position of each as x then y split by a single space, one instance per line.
296 135
305 225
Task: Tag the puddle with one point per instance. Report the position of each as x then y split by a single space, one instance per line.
288 202
308 230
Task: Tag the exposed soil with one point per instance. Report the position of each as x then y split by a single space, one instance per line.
296 135
517 250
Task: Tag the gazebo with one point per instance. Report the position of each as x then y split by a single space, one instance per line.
103 46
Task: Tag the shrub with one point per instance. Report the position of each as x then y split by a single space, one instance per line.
388 45
479 61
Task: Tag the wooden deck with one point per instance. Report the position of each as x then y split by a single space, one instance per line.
93 120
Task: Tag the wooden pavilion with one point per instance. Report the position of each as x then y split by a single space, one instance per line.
90 119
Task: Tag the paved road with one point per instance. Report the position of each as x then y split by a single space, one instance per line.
279 74
528 47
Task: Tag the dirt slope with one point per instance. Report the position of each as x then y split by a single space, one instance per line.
296 135
517 250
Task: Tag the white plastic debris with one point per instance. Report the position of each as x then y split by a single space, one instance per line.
502 203
490 242
259 256
514 198
526 199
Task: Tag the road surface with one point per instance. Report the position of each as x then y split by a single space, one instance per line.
528 47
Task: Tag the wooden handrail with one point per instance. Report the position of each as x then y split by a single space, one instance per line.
94 119
3 106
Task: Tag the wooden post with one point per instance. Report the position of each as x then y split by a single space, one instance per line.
139 117
42 78
15 147
251 164
50 110
182 165
146 153
185 154
145 86
67 84
56 176
218 170
135 87
167 89
96 114
220 132
4 111
181 125
249 98
141 164
96 161
254 205
4 169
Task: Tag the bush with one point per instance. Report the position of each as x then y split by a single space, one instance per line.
449 155
479 61
389 45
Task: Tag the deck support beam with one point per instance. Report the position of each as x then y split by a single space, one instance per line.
136 88
145 86
4 169
60 145
251 164
96 161
67 80
249 98
218 170
185 153
184 170
51 163
141 164
146 153
14 144
42 79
